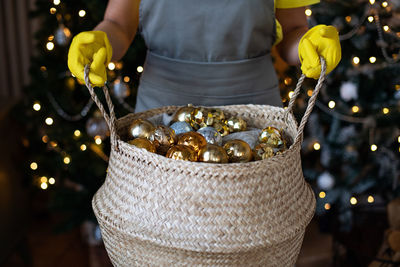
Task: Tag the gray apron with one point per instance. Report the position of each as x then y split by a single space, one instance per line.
208 52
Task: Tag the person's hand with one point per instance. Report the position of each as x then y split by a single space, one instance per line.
320 40
92 48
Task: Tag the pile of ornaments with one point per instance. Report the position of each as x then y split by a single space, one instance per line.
202 134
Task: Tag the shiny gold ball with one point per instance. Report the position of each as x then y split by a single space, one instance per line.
264 151
143 143
236 124
222 128
181 152
183 114
192 139
272 136
217 114
141 128
199 118
238 151
213 154
164 137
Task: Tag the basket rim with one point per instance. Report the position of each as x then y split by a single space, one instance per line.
294 148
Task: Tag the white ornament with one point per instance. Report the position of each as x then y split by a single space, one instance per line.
326 181
348 91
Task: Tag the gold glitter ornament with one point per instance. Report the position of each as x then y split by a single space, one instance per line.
222 128
192 139
181 152
164 137
264 151
236 124
143 143
238 151
217 114
213 154
184 114
272 136
141 128
199 118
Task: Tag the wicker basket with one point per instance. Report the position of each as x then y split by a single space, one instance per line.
156 211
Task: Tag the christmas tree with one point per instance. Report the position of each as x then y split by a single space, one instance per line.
66 137
351 148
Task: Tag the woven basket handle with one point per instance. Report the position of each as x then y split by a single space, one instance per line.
110 119
311 101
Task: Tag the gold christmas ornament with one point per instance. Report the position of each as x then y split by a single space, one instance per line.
236 124
217 114
143 143
238 151
272 136
222 128
184 114
264 151
141 128
192 139
213 154
164 137
181 152
199 118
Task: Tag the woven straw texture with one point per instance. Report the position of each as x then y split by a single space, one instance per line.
156 211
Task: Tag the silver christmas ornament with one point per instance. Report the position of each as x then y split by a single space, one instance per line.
120 89
62 35
97 126
326 181
181 127
211 135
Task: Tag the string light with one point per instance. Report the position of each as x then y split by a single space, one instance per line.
111 66
384 4
386 28
49 121
348 19
287 81
127 79
36 106
53 10
53 144
43 68
372 59
353 201
317 146
331 104
34 166
56 2
327 206
309 92
355 109
43 179
398 139
45 139
372 2
43 186
97 140
322 194
83 147
67 160
356 60
50 46
397 87
370 18
308 12
370 199
77 133
52 180
385 110
374 147
290 94
82 13
139 69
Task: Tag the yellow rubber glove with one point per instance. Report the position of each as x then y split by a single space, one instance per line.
91 48
320 40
